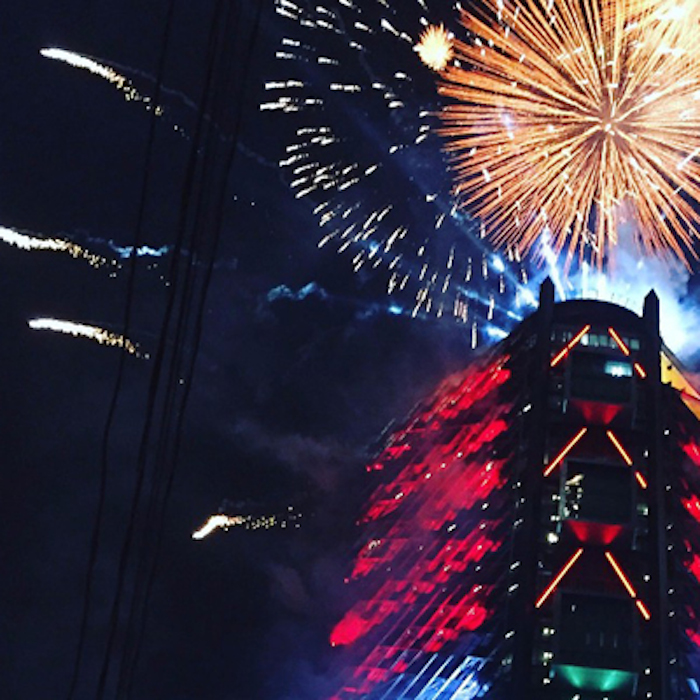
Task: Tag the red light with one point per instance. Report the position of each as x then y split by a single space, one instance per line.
594 533
349 629
565 451
620 448
565 351
640 370
643 610
692 449
692 505
619 341
597 412
642 481
694 567
550 589
620 574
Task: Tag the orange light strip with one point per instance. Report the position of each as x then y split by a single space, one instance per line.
565 451
643 609
640 370
565 351
642 481
620 448
620 574
618 340
548 591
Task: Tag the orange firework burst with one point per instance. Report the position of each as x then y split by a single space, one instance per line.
569 116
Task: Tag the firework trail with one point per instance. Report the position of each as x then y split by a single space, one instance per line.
76 60
26 241
99 335
249 522
114 77
569 119
216 522
364 156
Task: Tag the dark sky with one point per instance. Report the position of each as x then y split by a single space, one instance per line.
288 395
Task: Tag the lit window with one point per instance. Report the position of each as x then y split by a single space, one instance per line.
618 369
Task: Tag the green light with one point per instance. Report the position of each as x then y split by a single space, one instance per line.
598 679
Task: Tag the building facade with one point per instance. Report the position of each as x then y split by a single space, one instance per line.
534 532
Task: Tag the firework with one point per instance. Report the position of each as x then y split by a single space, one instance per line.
216 522
120 81
363 155
99 335
29 242
290 518
435 48
569 119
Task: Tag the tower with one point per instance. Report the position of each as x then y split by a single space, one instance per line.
534 532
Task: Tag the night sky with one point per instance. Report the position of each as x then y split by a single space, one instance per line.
289 394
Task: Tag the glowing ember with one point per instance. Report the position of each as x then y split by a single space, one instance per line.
435 48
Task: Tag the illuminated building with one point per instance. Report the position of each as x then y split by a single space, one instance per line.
534 532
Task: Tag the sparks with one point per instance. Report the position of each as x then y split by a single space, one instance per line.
216 522
583 115
435 47
359 188
26 241
99 335
120 81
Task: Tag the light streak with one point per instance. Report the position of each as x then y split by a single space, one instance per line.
620 343
99 335
216 522
86 63
621 575
120 81
569 346
640 370
642 481
628 585
290 519
619 447
643 609
26 241
565 570
569 446
574 117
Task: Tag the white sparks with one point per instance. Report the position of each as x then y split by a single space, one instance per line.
214 523
26 241
99 335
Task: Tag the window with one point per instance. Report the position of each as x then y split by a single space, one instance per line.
596 377
596 630
614 368
598 492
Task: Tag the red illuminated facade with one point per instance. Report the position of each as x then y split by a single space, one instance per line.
535 530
